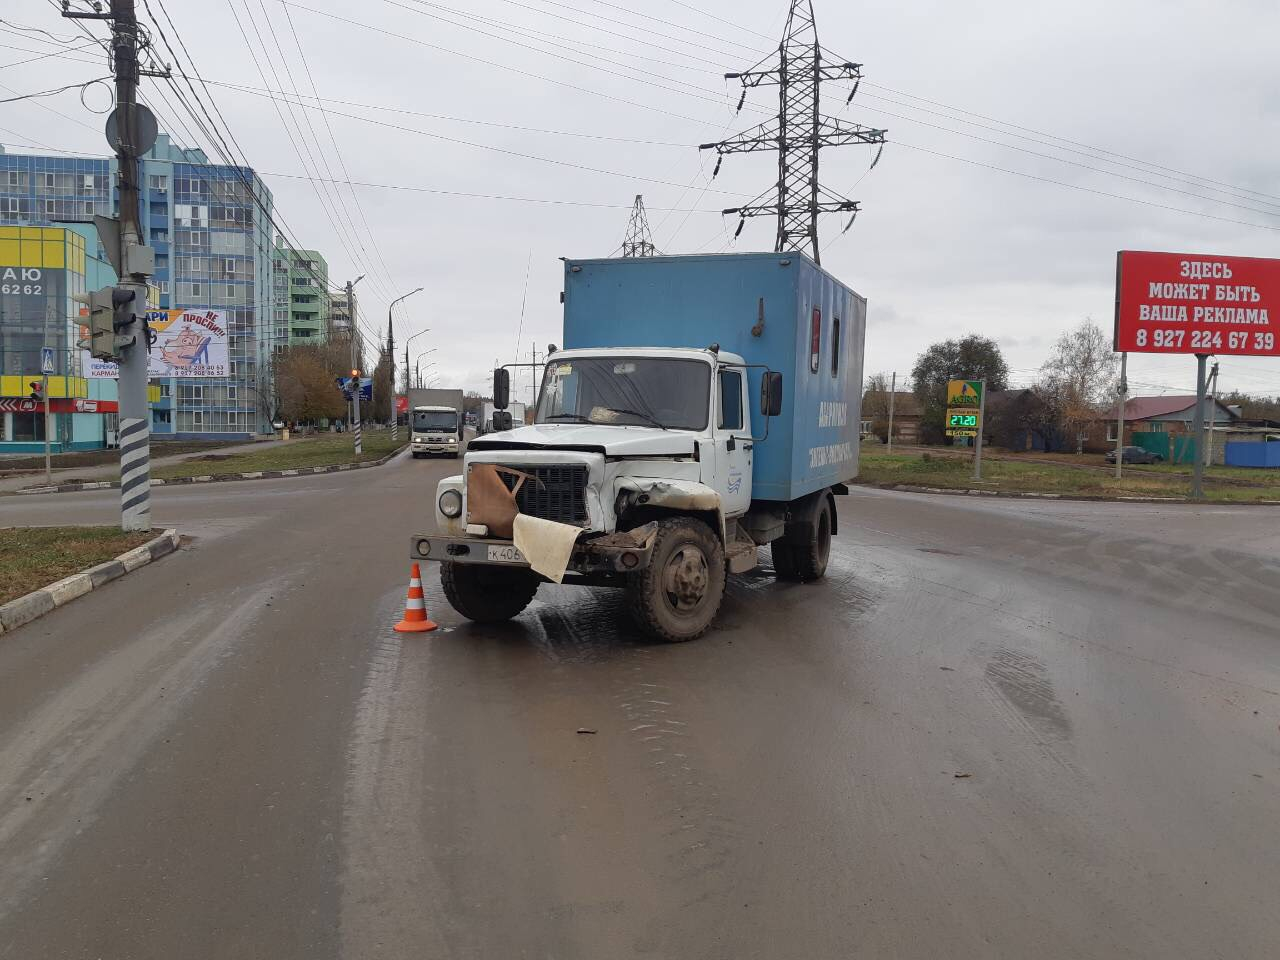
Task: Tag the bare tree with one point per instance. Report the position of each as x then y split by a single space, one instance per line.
875 404
1078 381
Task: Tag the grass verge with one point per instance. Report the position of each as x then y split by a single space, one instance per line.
34 557
99 458
317 451
1011 476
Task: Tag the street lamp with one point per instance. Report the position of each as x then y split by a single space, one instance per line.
391 360
417 373
412 337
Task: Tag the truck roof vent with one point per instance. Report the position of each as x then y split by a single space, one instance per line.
714 348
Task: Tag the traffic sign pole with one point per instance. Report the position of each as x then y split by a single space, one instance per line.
48 460
977 443
1197 468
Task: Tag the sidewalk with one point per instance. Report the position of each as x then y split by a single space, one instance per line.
111 471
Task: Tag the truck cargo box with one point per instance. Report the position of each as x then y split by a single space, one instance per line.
778 310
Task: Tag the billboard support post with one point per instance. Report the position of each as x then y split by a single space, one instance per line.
1197 470
1123 399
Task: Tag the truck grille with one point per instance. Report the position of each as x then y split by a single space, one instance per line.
554 493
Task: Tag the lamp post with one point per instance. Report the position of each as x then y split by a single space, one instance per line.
417 376
391 359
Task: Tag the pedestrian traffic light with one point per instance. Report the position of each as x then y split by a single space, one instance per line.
37 390
102 330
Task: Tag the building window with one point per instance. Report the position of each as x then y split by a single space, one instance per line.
158 182
197 418
231 391
9 206
1111 432
13 179
45 181
160 236
86 183
51 208
197 289
164 287
231 291
88 208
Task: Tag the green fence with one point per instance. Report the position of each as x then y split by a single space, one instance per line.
1174 448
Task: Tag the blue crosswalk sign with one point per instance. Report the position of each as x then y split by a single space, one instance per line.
46 360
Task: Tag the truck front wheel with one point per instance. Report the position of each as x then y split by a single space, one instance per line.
802 552
676 597
487 594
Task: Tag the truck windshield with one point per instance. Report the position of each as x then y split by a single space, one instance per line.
445 421
626 391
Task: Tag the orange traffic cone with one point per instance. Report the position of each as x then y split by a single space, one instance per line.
415 608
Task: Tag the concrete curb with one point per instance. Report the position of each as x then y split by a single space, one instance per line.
1082 498
39 602
211 478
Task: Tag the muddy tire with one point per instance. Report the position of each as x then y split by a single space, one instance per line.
487 594
802 552
677 596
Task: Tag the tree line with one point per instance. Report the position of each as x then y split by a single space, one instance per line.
1077 385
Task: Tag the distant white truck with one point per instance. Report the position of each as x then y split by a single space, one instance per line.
515 408
435 422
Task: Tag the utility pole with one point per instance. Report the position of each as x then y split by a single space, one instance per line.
1124 398
893 395
639 239
355 366
797 134
1213 415
1197 468
982 423
134 262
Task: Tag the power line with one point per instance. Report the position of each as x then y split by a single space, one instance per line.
1076 186
55 90
1077 143
503 150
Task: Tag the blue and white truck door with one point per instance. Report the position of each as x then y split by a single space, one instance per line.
733 445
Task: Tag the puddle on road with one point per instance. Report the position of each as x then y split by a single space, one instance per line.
1024 683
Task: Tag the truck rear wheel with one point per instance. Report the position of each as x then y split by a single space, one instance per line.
802 552
677 596
487 594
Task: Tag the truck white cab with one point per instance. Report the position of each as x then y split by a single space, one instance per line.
435 430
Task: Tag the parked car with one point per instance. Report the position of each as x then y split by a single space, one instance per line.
1135 455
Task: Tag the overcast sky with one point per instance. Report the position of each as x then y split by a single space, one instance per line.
944 247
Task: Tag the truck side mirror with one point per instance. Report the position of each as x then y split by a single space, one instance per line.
501 419
501 388
771 393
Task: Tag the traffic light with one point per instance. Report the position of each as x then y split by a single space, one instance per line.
122 300
102 331
37 390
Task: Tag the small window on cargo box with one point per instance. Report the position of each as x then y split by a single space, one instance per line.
730 400
835 346
815 340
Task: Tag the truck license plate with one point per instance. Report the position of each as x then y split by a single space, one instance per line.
508 554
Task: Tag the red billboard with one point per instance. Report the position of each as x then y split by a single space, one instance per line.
1197 303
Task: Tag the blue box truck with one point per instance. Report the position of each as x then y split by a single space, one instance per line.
701 407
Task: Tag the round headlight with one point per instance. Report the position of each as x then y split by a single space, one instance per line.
451 503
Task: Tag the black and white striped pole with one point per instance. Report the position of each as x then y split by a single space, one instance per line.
355 365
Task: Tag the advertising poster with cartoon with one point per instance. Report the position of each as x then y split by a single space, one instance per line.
189 343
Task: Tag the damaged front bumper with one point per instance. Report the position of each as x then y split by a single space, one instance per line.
624 552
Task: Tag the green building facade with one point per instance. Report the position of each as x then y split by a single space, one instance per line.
300 287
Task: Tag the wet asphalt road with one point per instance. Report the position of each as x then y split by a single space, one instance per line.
995 730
